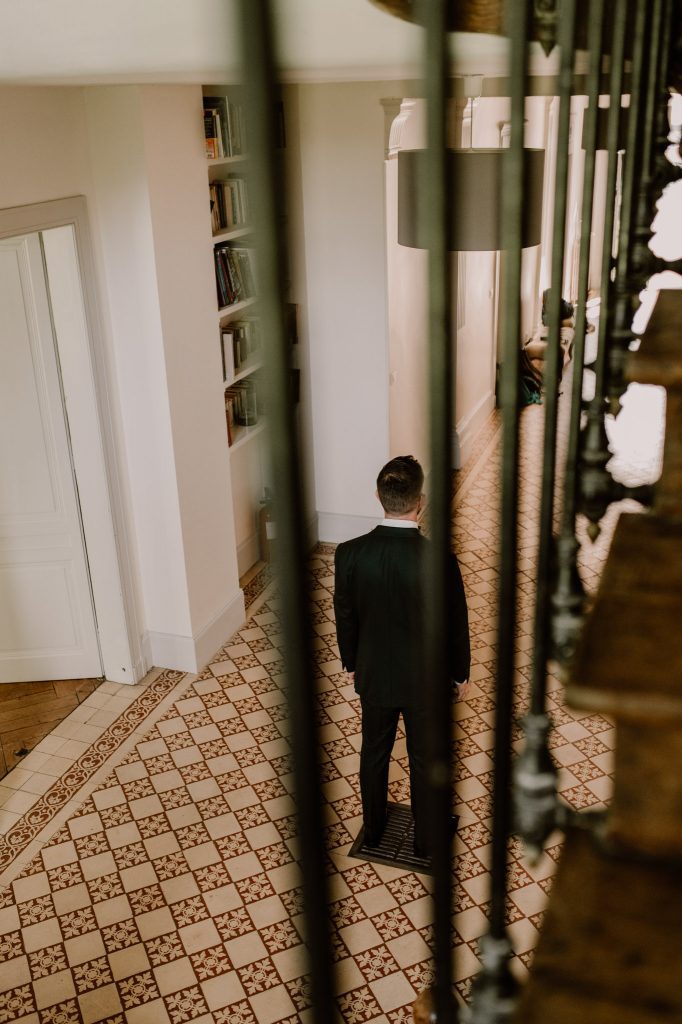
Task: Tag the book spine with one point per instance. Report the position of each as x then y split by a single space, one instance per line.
235 276
209 136
219 280
227 347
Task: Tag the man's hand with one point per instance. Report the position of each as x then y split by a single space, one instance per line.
463 689
351 677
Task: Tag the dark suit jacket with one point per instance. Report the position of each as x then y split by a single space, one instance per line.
378 600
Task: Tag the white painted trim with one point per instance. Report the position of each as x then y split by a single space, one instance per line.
192 654
313 76
333 528
391 107
220 629
142 666
396 129
118 628
248 553
468 428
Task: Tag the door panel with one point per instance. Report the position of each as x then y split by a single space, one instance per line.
47 624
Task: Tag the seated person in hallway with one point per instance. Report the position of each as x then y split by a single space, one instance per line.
536 348
378 600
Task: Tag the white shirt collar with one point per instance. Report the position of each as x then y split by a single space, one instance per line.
404 524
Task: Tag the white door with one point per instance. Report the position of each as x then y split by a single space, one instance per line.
47 622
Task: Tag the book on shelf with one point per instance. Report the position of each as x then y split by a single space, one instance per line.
229 204
224 126
210 134
227 348
242 406
216 128
241 343
234 274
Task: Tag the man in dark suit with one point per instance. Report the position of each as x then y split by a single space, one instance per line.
378 601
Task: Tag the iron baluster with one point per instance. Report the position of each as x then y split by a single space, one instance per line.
596 483
568 597
644 261
664 171
434 197
535 774
494 989
259 82
535 787
635 214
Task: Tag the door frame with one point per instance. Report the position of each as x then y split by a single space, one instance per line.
94 450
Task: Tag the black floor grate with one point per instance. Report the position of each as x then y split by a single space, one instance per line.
397 843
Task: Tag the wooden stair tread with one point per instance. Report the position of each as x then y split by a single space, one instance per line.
659 357
609 949
628 662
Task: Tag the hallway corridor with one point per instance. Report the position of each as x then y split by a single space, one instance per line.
153 881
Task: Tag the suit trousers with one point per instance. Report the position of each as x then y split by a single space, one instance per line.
379 727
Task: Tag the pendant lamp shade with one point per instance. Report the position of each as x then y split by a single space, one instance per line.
479 179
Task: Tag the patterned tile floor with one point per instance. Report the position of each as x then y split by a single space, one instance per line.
155 881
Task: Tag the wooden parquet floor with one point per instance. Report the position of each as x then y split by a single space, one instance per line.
28 711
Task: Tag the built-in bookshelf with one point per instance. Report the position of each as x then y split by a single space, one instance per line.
226 141
237 323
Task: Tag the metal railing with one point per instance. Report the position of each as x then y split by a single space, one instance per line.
633 40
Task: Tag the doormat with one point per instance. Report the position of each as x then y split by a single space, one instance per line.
396 846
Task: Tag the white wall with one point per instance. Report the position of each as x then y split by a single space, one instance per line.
45 150
150 184
341 133
174 151
107 144
298 294
121 198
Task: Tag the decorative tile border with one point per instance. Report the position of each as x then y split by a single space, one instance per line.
15 841
258 584
18 836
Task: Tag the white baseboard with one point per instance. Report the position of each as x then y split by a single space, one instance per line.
192 654
220 629
468 427
248 553
139 669
333 528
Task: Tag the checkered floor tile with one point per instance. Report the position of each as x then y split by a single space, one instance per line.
171 892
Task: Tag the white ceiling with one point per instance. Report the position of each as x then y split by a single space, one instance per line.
99 41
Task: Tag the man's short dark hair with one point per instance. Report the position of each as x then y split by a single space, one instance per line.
399 485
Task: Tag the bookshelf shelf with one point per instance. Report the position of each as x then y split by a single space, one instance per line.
229 233
245 372
227 311
242 435
225 161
